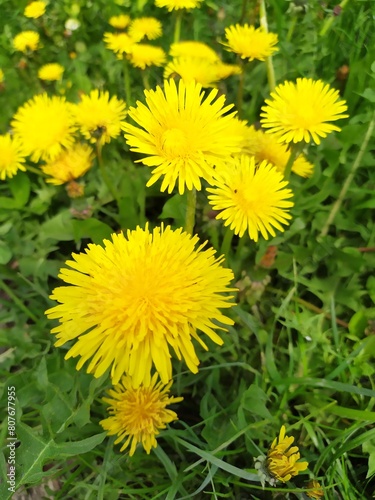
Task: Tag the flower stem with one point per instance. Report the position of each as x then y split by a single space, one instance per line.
292 25
190 211
269 64
104 173
227 242
241 84
243 11
295 150
145 79
128 92
330 20
337 205
36 171
17 301
177 26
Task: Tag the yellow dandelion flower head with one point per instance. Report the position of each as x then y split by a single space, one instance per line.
51 72
35 9
26 40
301 111
138 297
193 69
100 117
138 414
70 164
119 22
45 126
314 491
178 4
143 55
119 43
181 134
251 198
12 156
1 75
267 147
142 27
282 458
191 48
250 42
226 70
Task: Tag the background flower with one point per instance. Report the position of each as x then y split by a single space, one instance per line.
178 4
142 27
26 40
119 22
51 72
143 55
192 48
12 156
250 43
70 164
119 43
35 9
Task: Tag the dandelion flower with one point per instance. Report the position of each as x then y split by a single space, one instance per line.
301 111
26 40
191 48
250 43
12 156
251 198
70 164
35 9
143 55
99 116
178 4
267 147
1 76
51 72
119 43
119 22
128 303
183 136
138 414
45 126
142 27
314 491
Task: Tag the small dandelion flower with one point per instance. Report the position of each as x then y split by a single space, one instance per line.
69 165
12 156
142 27
282 458
140 296
138 414
143 55
45 126
183 136
192 48
119 22
26 40
251 198
99 116
250 43
51 72
178 4
301 111
35 9
314 490
119 43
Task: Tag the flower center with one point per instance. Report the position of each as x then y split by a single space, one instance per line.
175 143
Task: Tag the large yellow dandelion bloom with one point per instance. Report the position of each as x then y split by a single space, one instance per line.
143 55
282 458
183 136
69 165
250 43
178 4
12 156
119 22
137 414
51 72
267 147
301 111
251 198
26 40
191 48
119 43
99 116
131 301
142 27
45 126
35 9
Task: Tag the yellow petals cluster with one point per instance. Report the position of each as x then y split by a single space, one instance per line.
250 43
119 43
143 55
12 156
35 9
51 72
137 414
142 27
119 22
26 40
178 4
314 491
192 48
70 164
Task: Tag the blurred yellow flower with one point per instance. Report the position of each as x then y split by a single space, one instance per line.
142 27
191 48
26 40
119 22
12 156
251 197
100 117
143 55
35 9
250 43
1 75
138 414
301 111
51 72
70 164
131 301
45 126
314 491
119 43
178 4
182 134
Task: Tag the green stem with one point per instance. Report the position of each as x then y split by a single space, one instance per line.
17 301
243 11
292 25
145 80
328 22
128 92
337 205
269 64
240 89
103 172
191 204
295 150
35 171
177 26
227 243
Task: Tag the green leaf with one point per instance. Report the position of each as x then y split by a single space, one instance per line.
369 448
175 208
254 400
20 189
358 324
5 253
58 228
92 228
